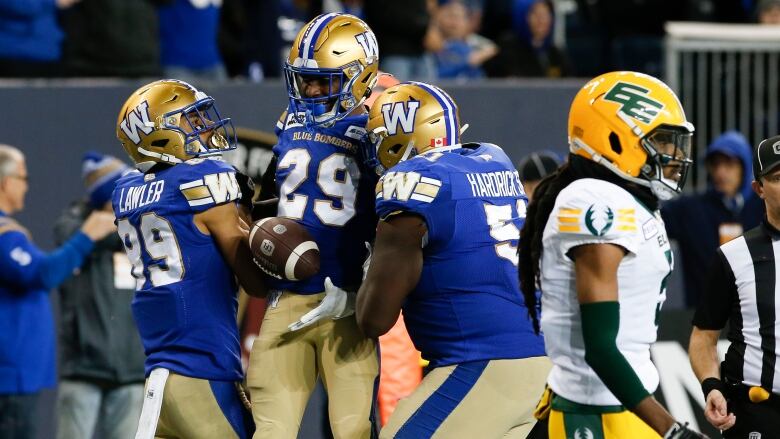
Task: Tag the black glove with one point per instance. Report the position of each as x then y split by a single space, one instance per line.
681 431
247 187
264 209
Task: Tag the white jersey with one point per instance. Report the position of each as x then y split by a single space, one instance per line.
591 211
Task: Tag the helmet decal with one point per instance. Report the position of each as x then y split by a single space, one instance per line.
635 101
450 114
135 120
400 113
312 33
367 41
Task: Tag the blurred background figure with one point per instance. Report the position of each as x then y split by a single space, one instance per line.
768 12
525 40
702 221
188 38
534 167
101 357
117 38
463 51
30 37
27 340
406 35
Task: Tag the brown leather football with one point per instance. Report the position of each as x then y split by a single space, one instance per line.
284 249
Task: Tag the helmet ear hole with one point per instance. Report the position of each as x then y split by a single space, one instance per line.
160 143
395 149
614 143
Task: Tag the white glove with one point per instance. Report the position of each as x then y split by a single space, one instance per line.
367 262
336 304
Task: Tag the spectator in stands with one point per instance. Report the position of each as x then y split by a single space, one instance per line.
406 35
112 38
27 357
463 51
188 37
30 37
534 167
102 360
768 12
528 50
703 221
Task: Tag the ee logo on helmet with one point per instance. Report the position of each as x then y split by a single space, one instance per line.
367 41
402 113
137 119
635 101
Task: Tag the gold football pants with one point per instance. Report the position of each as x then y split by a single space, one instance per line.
284 366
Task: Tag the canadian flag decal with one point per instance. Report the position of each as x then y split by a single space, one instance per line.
438 141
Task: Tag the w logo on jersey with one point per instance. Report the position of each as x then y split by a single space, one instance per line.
635 101
402 113
367 41
137 119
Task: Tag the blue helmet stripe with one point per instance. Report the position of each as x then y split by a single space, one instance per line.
309 39
450 115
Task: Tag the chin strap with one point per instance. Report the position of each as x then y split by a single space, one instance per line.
163 157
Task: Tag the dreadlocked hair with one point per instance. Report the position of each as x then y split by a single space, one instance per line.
530 248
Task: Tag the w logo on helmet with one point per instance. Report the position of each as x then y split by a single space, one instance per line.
367 41
636 101
137 119
402 113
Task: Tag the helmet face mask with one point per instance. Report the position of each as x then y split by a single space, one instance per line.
169 121
337 55
668 160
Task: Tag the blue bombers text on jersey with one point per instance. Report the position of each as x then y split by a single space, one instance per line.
323 185
467 305
185 303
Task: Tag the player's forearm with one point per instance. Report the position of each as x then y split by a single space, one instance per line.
703 353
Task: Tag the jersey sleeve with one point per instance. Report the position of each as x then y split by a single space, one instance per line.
280 123
411 188
592 211
207 183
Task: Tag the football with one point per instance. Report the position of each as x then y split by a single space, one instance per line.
282 248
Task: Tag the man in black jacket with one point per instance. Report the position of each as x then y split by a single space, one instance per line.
102 360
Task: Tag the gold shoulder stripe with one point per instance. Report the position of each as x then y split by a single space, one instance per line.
569 211
196 193
626 228
568 219
626 211
426 189
569 228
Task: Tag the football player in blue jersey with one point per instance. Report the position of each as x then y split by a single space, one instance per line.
309 329
178 218
446 253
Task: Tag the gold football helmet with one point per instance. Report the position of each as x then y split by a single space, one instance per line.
634 125
169 121
408 119
338 55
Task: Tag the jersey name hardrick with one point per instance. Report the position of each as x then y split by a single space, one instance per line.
467 305
185 304
591 211
323 185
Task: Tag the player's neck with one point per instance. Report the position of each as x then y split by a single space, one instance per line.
773 218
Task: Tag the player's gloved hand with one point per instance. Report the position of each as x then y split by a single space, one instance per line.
264 209
681 431
367 262
247 187
337 303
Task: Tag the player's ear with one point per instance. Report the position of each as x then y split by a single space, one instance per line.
758 188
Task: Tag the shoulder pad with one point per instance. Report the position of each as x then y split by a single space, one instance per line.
10 225
595 207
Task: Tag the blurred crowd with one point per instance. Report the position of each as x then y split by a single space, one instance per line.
464 40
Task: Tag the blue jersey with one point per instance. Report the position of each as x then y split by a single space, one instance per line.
467 305
185 304
188 30
323 185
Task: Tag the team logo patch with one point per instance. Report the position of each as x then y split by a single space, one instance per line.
598 219
754 435
636 101
367 41
279 229
583 433
267 247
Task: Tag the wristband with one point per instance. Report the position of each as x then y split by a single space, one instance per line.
710 384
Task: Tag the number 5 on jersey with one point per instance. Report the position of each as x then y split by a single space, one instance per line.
501 220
